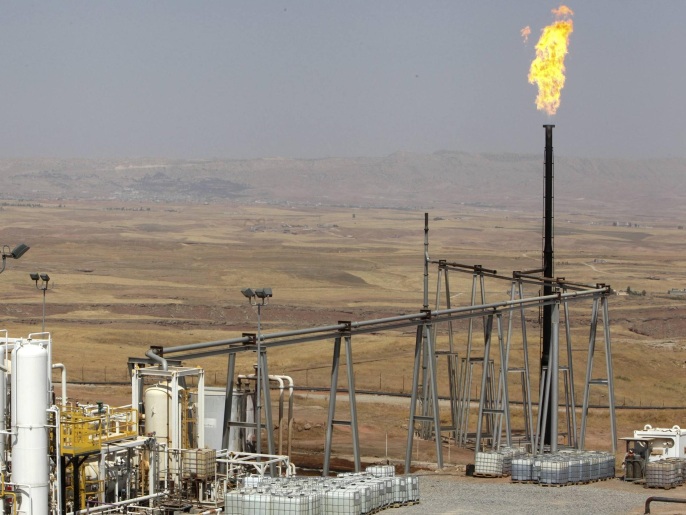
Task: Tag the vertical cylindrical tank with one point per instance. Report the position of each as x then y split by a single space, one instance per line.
157 411
157 402
30 467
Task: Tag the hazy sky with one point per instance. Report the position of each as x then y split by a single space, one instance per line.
318 78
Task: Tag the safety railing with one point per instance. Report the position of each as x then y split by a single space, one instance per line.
83 431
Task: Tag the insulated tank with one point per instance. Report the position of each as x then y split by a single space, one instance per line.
30 467
157 401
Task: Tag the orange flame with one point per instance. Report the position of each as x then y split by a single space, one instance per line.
548 69
525 32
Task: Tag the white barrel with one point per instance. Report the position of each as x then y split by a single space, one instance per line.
30 467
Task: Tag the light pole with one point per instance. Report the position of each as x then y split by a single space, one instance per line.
258 297
16 253
44 279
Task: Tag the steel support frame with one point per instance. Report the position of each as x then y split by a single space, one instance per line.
333 394
517 289
497 408
599 304
424 352
464 386
424 344
173 376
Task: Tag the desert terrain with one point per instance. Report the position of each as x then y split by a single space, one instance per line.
129 273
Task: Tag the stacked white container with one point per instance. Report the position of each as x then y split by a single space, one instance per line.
381 470
342 501
349 494
661 474
412 489
399 490
523 469
489 464
554 470
258 502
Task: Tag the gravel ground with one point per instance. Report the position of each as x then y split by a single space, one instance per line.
440 494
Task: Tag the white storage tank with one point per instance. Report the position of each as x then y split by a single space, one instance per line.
30 466
158 410
215 398
157 402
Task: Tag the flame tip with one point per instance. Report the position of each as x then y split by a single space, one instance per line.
547 69
525 33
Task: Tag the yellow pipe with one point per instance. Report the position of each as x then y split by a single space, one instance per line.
4 493
14 501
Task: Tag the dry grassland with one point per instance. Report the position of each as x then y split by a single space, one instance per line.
128 276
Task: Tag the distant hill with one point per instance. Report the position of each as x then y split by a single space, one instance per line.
400 180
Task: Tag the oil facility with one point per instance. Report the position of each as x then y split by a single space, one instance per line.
183 446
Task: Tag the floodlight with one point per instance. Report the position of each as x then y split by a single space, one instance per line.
248 292
19 250
43 286
263 293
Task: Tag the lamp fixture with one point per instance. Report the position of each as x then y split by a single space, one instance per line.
45 279
15 253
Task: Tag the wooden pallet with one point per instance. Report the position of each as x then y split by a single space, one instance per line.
403 504
661 487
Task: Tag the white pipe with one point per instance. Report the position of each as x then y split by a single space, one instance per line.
64 381
102 472
4 397
279 379
108 506
291 384
3 405
58 452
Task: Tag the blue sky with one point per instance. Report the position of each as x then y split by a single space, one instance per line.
242 79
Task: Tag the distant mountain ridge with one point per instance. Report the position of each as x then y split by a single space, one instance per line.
400 180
